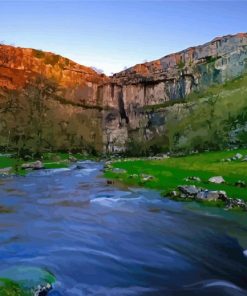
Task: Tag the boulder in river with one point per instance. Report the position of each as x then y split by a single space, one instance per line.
25 280
79 167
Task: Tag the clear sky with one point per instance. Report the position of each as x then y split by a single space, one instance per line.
111 35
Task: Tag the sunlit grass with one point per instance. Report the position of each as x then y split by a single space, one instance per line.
169 173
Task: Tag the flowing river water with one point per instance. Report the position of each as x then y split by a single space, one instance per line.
99 239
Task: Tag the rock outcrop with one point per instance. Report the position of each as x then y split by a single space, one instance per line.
48 102
132 93
52 101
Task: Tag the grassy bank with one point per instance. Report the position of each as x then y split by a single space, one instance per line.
171 172
49 160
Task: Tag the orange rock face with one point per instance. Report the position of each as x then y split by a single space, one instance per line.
21 66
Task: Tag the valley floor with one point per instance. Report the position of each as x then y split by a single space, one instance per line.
168 173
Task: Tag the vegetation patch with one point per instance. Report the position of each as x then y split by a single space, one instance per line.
49 160
11 288
171 172
38 53
163 105
51 59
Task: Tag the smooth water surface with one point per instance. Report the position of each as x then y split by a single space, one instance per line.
104 240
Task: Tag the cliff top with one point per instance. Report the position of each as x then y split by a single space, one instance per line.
218 47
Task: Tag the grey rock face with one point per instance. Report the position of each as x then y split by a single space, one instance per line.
172 77
212 195
190 190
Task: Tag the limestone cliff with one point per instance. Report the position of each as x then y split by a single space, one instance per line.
131 93
48 102
52 102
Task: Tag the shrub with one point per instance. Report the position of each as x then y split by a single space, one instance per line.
38 53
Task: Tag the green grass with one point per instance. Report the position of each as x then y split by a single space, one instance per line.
238 83
6 162
50 161
169 173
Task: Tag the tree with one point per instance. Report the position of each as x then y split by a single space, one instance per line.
4 57
38 93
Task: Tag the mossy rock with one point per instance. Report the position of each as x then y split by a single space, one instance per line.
11 288
25 281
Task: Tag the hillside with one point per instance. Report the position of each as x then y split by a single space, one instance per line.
183 101
47 102
165 81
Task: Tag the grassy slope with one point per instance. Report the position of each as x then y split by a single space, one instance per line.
205 119
169 173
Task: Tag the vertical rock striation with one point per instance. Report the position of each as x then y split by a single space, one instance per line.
158 82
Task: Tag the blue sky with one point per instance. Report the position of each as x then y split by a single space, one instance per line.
113 34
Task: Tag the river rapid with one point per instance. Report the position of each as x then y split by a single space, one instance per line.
105 240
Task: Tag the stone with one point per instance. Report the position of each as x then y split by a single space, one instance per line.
109 182
37 165
5 171
211 195
238 156
236 203
189 190
42 290
72 158
133 176
202 194
119 171
217 180
193 178
146 178
32 280
173 193
79 167
240 184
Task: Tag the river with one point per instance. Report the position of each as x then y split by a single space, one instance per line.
100 239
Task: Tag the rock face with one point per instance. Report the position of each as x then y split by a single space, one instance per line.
131 94
48 102
51 101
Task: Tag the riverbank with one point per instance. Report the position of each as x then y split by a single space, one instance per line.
11 164
168 173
